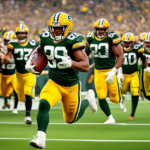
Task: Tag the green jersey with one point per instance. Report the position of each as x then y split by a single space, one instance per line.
21 52
9 68
55 51
104 57
147 54
130 64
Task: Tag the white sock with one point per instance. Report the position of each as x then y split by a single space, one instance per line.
110 117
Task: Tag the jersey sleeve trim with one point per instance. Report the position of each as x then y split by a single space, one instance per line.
116 41
78 45
87 42
39 41
10 46
141 50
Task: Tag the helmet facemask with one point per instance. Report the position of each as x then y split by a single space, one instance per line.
53 34
148 45
101 36
6 42
22 39
125 43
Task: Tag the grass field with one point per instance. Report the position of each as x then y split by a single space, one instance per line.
89 133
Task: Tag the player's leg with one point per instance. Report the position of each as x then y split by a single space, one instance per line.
13 82
125 88
146 83
73 107
6 88
101 90
134 85
29 84
49 96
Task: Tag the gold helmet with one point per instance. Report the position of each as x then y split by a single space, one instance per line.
101 24
60 19
8 36
141 36
22 29
129 38
146 39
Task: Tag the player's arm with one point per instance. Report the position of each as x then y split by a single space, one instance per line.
7 57
82 63
118 52
87 50
143 58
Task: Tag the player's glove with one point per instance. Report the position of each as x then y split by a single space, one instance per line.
147 69
120 78
110 75
66 63
30 67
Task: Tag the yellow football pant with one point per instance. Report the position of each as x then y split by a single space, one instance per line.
69 96
25 84
132 81
0 84
8 84
102 87
146 82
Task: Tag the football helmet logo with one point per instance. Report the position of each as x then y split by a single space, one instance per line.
101 24
60 20
22 29
129 39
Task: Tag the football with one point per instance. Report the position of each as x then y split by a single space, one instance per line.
40 60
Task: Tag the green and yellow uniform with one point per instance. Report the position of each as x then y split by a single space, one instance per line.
25 81
130 69
8 77
146 79
104 59
63 84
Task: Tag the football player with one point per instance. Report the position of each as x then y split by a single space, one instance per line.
128 73
20 48
66 56
146 73
8 77
106 48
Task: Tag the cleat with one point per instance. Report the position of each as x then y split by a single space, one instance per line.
15 111
110 120
6 106
39 140
92 101
27 120
131 118
122 104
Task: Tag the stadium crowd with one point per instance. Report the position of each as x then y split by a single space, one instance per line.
123 15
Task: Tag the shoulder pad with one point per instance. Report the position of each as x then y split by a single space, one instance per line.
137 46
74 36
45 34
32 42
115 37
13 41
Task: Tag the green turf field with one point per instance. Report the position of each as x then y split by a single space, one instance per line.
87 134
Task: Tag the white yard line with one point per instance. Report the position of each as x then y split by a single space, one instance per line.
127 124
79 140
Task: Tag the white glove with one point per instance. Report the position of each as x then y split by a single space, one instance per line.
120 78
30 67
110 75
147 69
66 63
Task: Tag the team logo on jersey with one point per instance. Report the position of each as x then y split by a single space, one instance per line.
69 18
34 56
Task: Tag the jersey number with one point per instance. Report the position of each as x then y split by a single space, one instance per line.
55 53
8 66
96 49
23 53
130 59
